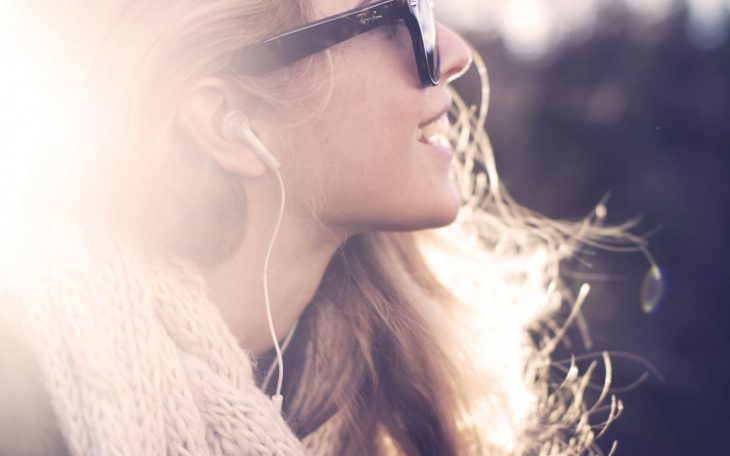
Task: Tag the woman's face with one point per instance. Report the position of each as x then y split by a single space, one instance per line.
361 165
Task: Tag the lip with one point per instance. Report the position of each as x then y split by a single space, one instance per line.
444 152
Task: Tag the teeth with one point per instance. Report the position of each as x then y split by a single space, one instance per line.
436 132
440 139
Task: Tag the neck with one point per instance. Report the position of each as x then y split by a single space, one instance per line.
298 261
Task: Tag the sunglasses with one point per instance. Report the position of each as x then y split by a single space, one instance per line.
289 47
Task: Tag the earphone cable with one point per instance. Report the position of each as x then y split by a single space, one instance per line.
277 399
275 363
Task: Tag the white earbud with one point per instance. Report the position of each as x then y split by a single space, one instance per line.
235 127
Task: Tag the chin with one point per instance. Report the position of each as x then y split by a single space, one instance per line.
439 210
436 214
444 217
426 212
446 207
413 222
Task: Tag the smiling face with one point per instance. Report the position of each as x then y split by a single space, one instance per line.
364 163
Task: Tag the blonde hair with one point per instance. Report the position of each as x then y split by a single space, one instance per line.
394 323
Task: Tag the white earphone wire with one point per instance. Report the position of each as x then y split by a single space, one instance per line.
275 363
277 399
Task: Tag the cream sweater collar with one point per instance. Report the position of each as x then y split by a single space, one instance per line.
136 359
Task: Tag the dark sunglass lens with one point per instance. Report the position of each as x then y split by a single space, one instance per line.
424 13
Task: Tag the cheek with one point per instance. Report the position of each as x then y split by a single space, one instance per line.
368 151
377 177
367 129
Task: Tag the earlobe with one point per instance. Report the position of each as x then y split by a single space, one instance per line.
200 119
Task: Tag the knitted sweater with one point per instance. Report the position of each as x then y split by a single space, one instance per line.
135 358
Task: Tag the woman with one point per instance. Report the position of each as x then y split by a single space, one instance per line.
244 175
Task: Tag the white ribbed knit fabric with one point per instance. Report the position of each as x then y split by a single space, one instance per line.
136 359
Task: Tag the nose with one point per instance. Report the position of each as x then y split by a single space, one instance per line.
455 54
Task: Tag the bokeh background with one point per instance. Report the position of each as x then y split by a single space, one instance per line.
629 98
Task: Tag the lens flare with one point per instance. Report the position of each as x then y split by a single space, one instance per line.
44 116
652 289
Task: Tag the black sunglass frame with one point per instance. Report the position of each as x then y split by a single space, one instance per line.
289 47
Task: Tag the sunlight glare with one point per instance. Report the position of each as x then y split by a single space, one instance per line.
708 22
505 294
527 27
43 116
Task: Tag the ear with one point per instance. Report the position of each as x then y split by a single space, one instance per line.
199 118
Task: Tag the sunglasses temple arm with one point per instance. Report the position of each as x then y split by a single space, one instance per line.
278 52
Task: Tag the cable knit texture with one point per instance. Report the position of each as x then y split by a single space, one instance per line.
135 357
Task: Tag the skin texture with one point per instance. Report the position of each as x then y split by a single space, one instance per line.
355 167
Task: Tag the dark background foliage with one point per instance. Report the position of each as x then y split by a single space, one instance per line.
642 113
